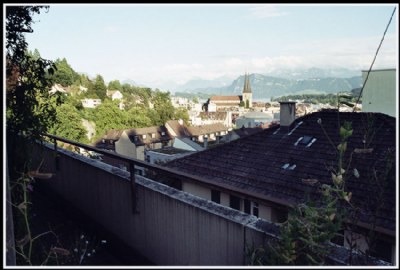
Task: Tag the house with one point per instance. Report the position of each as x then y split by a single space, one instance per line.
379 94
267 173
58 88
114 94
108 140
232 103
212 132
133 142
91 102
207 118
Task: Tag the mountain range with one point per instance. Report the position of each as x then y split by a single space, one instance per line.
281 82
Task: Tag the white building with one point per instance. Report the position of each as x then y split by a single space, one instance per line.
91 102
379 94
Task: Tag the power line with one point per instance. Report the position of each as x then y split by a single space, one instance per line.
376 54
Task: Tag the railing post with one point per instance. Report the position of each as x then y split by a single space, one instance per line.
133 187
56 154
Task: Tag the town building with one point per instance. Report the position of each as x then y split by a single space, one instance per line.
232 103
379 94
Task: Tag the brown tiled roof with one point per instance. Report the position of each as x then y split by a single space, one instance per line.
180 130
206 129
220 104
223 98
254 163
113 135
157 130
214 115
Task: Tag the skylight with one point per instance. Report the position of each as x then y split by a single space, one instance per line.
306 139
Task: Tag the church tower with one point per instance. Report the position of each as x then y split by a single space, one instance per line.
247 93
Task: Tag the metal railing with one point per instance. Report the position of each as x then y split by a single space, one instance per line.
162 170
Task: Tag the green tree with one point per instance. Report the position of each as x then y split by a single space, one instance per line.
114 85
64 73
163 108
69 124
108 116
138 117
182 113
26 82
99 87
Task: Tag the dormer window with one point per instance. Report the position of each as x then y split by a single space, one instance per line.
162 133
144 136
153 135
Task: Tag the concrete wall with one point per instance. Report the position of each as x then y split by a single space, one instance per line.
171 227
379 94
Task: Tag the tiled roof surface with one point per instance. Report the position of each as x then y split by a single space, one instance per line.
113 135
242 132
180 130
223 98
254 163
214 115
206 129
156 130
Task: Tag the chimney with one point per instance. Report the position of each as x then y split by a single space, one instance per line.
205 142
287 113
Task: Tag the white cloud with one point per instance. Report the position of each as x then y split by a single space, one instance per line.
266 11
352 53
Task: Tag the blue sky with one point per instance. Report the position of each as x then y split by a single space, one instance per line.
155 43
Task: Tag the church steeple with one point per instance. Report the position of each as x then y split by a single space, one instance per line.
247 95
246 88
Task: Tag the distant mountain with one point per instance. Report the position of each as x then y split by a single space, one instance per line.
265 87
201 84
314 72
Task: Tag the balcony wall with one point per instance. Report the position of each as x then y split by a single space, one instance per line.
170 227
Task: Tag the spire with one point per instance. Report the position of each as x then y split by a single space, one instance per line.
246 88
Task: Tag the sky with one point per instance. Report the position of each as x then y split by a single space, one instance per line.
152 44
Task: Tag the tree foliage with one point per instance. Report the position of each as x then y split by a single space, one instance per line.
64 74
30 110
114 85
69 124
108 116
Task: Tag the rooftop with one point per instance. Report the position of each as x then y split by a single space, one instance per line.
276 163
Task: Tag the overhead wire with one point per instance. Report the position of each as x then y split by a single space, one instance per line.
376 54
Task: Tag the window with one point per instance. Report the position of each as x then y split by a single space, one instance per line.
247 206
251 207
162 133
144 136
234 202
216 196
306 140
255 208
153 135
